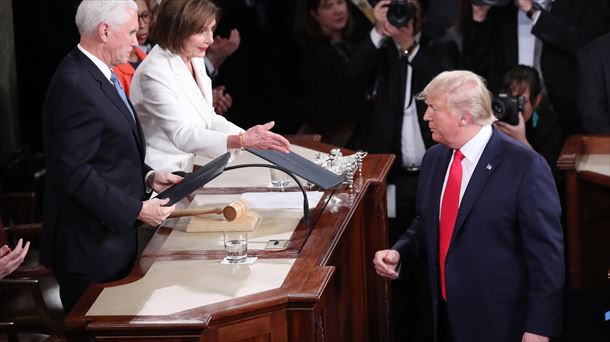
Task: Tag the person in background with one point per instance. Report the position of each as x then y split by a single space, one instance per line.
10 259
335 104
126 71
538 125
488 221
398 62
173 93
594 86
543 34
96 183
216 55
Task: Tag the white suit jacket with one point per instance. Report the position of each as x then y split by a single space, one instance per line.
176 112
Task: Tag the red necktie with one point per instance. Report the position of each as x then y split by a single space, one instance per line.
449 210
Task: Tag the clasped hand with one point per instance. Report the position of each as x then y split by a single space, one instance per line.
154 211
11 259
385 262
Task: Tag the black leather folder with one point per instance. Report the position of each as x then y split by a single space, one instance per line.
195 180
301 167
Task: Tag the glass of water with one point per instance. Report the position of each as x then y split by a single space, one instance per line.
236 246
279 178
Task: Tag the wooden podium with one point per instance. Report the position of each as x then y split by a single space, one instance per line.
330 293
585 160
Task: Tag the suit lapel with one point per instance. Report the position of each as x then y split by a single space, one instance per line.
114 97
188 84
488 163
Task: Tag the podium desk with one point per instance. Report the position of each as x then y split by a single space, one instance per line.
585 160
322 287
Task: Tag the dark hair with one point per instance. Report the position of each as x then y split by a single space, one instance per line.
307 25
523 74
179 19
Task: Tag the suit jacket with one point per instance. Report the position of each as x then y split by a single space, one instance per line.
95 172
491 48
505 267
594 86
176 112
388 70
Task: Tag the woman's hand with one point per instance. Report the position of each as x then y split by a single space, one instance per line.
262 138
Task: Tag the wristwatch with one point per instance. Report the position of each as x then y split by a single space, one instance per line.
535 8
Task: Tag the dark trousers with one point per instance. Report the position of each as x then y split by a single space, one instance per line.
73 285
411 299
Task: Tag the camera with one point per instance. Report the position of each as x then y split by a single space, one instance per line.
507 107
400 12
495 3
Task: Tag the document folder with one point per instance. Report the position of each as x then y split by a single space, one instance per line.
301 167
195 180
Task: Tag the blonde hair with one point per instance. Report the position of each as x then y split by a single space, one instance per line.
466 93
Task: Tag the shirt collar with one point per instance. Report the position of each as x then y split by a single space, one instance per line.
105 69
473 149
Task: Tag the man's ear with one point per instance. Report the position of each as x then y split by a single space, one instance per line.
102 32
465 119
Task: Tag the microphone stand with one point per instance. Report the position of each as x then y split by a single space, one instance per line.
272 166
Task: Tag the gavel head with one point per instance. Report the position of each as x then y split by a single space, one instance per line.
235 209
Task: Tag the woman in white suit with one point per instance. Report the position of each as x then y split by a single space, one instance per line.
172 93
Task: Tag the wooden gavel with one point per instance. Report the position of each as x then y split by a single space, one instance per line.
231 212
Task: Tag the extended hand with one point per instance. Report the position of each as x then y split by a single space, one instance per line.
262 138
160 181
154 212
11 259
385 262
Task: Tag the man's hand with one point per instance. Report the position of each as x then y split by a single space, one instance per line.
404 36
517 132
479 12
11 259
529 337
523 5
381 17
160 181
221 100
262 138
154 211
222 48
385 262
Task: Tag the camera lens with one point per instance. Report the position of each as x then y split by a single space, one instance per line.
498 108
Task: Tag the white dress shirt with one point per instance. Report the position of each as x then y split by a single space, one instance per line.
472 152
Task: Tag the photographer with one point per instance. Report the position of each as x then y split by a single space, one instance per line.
543 34
538 125
398 60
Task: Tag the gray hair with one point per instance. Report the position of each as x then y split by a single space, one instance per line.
91 13
466 93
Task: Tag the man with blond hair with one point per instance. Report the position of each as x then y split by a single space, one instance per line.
488 221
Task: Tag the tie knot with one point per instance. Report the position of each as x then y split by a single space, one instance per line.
458 156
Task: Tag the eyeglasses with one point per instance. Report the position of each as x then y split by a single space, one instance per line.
145 17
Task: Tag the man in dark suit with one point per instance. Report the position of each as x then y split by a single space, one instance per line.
399 62
494 42
488 222
96 177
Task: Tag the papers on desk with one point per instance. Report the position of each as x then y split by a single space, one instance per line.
281 200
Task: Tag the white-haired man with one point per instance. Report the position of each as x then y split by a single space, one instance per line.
95 191
488 221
